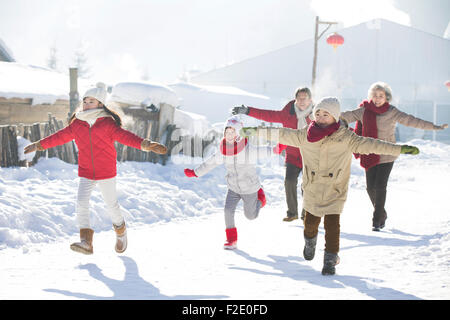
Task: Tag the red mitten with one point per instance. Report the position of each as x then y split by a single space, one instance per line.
279 148
189 173
262 197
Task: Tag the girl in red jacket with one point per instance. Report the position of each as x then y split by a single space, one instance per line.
95 128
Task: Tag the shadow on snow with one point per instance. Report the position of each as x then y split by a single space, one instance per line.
133 286
289 267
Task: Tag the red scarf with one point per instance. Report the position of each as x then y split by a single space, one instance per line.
368 128
316 133
228 150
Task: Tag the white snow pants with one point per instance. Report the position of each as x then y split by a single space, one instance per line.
108 189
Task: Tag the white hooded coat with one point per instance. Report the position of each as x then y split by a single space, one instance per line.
241 177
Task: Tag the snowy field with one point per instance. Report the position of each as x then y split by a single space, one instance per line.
176 232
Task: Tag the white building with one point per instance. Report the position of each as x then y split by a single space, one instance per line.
216 102
414 63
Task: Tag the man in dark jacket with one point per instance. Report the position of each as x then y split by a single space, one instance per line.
295 115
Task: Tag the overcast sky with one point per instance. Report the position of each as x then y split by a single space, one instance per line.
124 40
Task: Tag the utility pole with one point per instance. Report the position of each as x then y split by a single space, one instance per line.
316 40
73 95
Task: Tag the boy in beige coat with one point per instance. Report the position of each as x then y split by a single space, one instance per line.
327 148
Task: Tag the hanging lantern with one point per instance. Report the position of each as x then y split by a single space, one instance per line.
335 40
447 84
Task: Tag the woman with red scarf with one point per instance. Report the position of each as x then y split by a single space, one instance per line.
327 149
239 158
377 118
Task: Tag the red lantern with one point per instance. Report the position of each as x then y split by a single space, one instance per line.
447 84
335 40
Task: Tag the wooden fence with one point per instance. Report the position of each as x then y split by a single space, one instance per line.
187 145
8 147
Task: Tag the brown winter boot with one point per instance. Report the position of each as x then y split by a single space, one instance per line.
121 237
85 244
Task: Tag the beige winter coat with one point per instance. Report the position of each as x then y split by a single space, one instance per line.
326 164
386 125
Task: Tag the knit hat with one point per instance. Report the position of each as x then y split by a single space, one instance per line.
99 92
330 104
234 123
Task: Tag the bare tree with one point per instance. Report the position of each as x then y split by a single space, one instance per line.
52 61
81 63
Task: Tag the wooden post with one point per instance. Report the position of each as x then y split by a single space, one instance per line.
36 136
166 116
73 94
2 147
9 152
198 146
147 135
60 148
168 143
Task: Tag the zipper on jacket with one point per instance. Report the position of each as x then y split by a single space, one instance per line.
235 170
92 153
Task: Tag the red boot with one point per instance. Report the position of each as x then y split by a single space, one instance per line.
262 197
231 239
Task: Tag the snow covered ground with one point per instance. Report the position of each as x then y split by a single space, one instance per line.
176 232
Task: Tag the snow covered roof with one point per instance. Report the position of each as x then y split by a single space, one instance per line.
215 102
137 93
40 84
191 123
216 89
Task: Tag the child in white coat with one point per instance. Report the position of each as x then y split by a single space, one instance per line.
239 158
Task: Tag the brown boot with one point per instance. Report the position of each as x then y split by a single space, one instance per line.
85 244
121 237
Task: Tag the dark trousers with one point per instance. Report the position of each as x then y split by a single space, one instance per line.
290 187
332 230
376 181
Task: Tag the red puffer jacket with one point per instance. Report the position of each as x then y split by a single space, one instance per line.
96 151
288 118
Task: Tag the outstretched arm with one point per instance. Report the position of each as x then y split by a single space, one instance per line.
287 136
58 138
126 137
353 115
366 145
209 164
261 114
411 121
